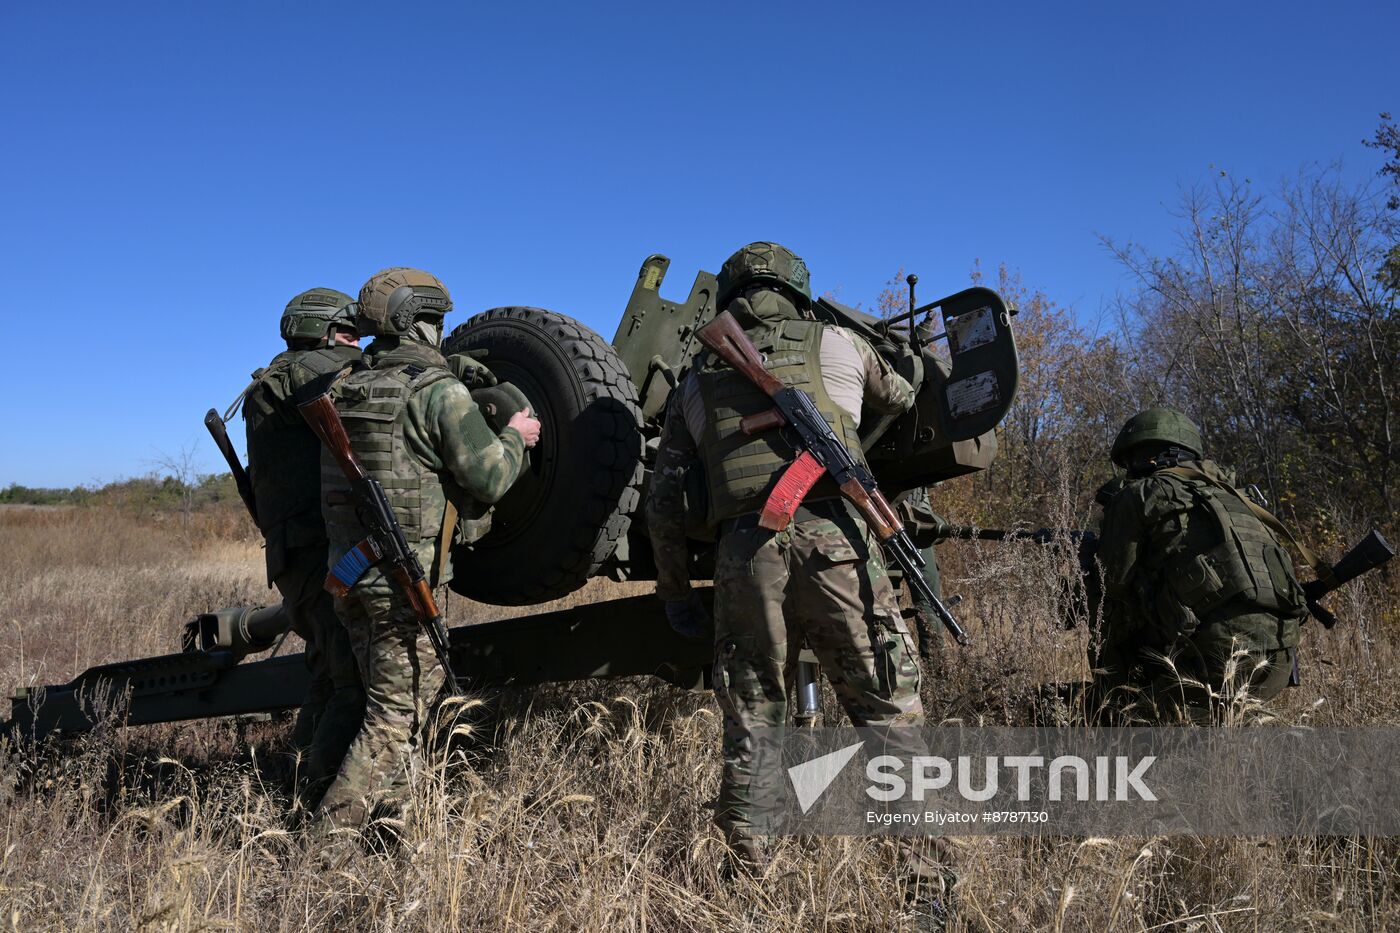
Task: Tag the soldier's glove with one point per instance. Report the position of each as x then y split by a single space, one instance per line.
688 617
468 367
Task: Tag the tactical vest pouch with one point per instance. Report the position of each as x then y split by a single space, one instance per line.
1246 569
696 492
740 469
371 405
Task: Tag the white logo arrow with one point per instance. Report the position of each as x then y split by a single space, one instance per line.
811 778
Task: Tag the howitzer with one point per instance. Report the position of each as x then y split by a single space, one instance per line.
601 640
573 515
1085 541
821 453
1039 536
1369 553
385 543
215 424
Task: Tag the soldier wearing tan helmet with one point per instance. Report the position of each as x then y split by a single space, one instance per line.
284 464
416 429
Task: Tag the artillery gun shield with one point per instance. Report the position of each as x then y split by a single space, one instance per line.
656 338
965 394
979 390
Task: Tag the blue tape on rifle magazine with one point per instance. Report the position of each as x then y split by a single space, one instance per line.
351 567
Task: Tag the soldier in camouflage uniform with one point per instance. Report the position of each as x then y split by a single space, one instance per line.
823 578
284 464
1193 572
416 429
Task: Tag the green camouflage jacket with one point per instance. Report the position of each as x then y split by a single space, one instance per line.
438 443
1185 558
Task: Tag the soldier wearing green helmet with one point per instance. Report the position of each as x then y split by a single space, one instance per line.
284 465
1201 604
822 578
760 264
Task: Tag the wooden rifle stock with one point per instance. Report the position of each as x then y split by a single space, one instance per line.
763 421
321 415
724 336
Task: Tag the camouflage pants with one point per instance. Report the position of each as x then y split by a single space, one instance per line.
822 580
1220 662
335 701
402 679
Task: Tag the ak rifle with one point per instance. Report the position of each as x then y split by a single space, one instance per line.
821 453
385 543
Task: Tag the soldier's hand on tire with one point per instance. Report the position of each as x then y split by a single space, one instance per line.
688 617
528 426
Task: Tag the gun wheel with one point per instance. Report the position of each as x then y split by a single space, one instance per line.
567 512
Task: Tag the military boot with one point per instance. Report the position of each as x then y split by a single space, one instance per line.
925 863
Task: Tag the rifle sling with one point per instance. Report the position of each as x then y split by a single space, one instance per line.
228 412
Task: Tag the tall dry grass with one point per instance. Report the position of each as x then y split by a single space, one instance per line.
582 806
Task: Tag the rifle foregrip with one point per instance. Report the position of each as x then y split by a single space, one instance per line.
869 506
425 599
763 421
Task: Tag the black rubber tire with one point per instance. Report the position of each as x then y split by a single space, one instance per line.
575 500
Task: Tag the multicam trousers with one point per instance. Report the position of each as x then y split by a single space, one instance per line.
402 679
335 700
822 580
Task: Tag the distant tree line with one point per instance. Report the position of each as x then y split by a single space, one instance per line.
1273 324
151 493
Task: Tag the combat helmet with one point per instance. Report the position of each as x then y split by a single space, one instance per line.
393 298
311 315
764 262
1160 427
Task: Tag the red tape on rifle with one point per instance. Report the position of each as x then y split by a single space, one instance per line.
793 486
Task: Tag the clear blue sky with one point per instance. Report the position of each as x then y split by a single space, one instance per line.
175 172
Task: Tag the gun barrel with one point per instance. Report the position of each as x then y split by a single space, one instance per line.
215 425
968 533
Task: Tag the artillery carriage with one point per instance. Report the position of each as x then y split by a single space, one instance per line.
576 513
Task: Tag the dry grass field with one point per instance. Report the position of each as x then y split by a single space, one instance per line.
582 806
